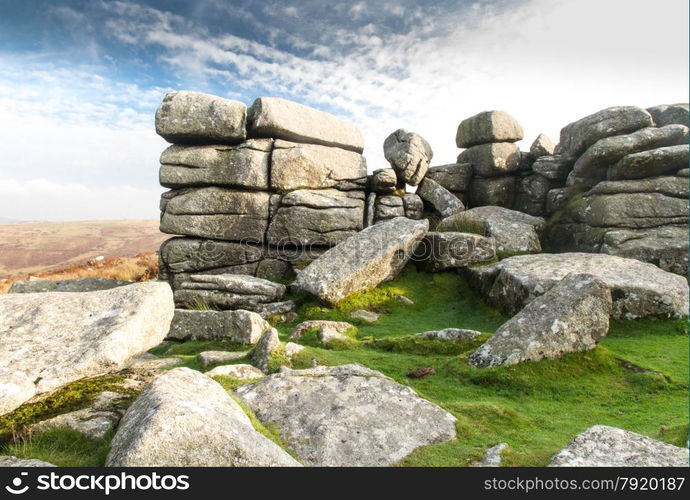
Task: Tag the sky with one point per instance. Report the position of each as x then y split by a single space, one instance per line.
80 80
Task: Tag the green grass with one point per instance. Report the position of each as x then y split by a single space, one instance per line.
62 447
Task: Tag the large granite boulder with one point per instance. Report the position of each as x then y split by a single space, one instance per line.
605 446
455 177
492 160
439 198
639 289
283 119
69 285
658 161
190 255
188 117
238 326
316 217
513 231
667 114
364 260
492 191
346 415
449 250
227 291
245 165
576 137
572 316
186 419
409 155
49 340
310 166
216 213
486 127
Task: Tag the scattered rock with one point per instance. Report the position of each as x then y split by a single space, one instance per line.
492 457
409 155
305 326
439 198
71 285
364 260
346 415
240 372
604 446
186 419
186 117
261 354
282 119
542 146
451 334
50 340
208 358
239 326
638 289
364 315
488 126
449 250
421 372
277 311
327 334
404 300
571 316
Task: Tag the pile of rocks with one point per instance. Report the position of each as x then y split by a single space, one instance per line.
255 193
627 186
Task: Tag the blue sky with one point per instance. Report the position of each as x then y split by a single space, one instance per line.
80 80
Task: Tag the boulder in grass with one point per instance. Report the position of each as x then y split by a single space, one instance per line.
486 127
409 155
283 119
605 446
261 354
361 262
186 117
572 316
208 358
239 372
305 326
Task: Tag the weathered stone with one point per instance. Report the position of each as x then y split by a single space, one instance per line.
305 326
592 166
454 177
186 419
658 161
346 415
494 191
327 334
667 114
246 165
673 186
208 358
272 310
513 231
189 255
492 456
572 316
683 172
147 362
274 270
383 181
555 200
492 160
488 126
188 117
409 155
542 146
49 340
239 372
69 285
9 461
292 349
552 167
370 210
388 207
227 291
414 206
451 334
527 159
216 213
638 289
93 422
310 166
364 260
439 198
261 354
364 315
604 446
316 217
448 250
238 326
530 194
580 135
283 119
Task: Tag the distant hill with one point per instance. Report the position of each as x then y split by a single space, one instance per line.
38 247
5 220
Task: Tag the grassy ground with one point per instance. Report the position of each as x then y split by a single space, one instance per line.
636 379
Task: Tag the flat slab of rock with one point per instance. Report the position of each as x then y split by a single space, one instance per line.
186 419
208 358
492 160
455 177
449 250
189 255
571 316
188 117
347 415
364 315
409 154
283 119
451 334
309 166
439 198
513 231
488 126
364 260
71 285
239 326
658 161
246 165
639 289
605 446
240 372
228 291
10 461
50 340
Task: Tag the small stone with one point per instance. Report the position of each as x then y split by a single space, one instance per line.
364 315
404 300
239 372
305 326
451 334
421 372
261 354
492 457
208 358
292 349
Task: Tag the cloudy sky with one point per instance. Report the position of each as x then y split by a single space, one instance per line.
80 80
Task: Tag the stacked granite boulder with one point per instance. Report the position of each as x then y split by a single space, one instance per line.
255 192
627 186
